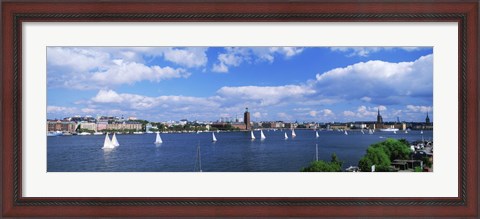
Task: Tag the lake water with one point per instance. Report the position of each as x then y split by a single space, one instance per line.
233 152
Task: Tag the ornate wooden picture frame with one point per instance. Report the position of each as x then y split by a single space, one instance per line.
14 13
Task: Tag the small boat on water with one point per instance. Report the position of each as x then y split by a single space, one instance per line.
97 133
214 139
262 136
293 133
138 133
316 134
55 133
84 133
370 132
286 137
114 141
389 130
346 133
107 144
252 136
158 139
362 131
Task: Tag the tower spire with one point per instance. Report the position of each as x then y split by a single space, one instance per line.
427 120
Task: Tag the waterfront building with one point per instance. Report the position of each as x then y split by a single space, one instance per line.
88 126
312 125
360 125
395 125
246 119
102 125
238 125
290 125
127 125
63 126
337 126
274 125
148 127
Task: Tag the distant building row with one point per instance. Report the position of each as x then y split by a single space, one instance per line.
72 127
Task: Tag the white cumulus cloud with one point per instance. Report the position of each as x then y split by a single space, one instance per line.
235 56
366 51
266 95
423 109
131 72
103 67
140 102
379 82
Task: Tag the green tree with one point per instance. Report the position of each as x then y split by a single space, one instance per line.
395 149
382 154
335 160
375 156
321 166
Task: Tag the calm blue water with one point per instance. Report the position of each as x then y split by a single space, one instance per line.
233 152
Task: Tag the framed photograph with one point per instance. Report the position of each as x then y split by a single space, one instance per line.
239 109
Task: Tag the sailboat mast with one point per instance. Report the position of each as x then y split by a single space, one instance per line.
199 158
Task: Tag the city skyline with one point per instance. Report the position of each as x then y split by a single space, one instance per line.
322 84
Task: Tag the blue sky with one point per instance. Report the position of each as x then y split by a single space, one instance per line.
321 84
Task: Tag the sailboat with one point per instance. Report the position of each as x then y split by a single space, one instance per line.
394 132
362 131
370 132
114 141
346 133
293 133
316 134
286 137
421 132
158 139
214 139
406 131
262 136
107 144
252 136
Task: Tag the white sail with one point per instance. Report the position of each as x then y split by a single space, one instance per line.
262 136
421 132
370 132
362 131
286 137
316 134
158 139
394 132
406 131
293 133
214 139
107 144
346 133
114 141
251 135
